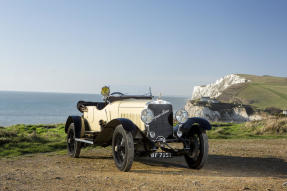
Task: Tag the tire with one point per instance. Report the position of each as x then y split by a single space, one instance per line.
199 150
73 147
123 148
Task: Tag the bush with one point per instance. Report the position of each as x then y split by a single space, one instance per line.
276 125
271 125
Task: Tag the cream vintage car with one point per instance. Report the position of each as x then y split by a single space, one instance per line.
137 126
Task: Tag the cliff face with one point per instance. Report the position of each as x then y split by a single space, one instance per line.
215 89
213 110
226 112
240 91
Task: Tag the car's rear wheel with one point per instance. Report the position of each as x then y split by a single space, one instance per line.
123 148
74 147
198 154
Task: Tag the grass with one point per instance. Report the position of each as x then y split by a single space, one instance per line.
261 92
25 139
271 128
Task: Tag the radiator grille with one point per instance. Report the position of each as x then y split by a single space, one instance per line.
163 125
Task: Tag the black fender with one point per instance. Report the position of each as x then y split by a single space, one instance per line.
194 123
127 124
105 137
78 123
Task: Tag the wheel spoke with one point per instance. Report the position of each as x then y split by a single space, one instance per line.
71 141
122 155
122 142
195 147
120 148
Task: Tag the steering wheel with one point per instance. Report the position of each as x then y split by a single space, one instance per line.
117 93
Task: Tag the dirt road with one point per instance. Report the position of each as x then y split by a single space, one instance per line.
232 165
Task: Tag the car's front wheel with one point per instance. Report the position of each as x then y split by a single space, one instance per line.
74 147
198 154
123 148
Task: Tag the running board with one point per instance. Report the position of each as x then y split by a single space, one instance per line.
84 141
91 132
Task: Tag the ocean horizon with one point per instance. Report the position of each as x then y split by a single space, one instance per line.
19 107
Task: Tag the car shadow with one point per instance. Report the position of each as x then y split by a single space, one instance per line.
96 157
221 165
172 162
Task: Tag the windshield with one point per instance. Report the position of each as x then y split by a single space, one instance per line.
131 90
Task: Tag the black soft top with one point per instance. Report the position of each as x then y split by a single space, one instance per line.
81 105
123 97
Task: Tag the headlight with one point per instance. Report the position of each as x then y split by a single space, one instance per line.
147 116
181 116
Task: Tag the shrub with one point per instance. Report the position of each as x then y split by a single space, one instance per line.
270 125
276 125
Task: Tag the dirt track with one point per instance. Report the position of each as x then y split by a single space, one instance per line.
232 165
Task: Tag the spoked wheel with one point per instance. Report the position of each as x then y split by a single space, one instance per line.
198 150
74 148
123 148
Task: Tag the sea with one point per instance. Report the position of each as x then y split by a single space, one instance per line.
50 108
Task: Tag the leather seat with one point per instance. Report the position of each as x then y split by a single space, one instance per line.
83 104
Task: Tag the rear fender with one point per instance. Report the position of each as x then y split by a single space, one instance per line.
78 124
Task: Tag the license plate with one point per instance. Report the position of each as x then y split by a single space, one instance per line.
160 155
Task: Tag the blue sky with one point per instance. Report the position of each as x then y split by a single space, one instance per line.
79 46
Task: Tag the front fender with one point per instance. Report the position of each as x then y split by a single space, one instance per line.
127 124
193 123
105 137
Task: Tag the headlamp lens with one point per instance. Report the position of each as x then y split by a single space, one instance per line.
147 116
181 116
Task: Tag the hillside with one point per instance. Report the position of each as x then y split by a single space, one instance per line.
259 91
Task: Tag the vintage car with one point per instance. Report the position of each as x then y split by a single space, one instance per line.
137 125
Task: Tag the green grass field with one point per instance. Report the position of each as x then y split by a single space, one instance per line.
242 131
27 139
261 92
24 139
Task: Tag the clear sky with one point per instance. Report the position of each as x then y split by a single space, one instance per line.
79 46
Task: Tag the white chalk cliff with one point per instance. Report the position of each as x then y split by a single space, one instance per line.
232 114
215 89
217 111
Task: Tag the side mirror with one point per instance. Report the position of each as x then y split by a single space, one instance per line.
105 92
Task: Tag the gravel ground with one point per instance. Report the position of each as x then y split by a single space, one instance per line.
232 165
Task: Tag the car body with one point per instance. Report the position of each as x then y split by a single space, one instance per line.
137 125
